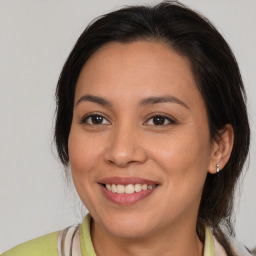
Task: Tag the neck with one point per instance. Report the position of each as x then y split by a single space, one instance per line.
177 240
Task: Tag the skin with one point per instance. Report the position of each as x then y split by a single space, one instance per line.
176 154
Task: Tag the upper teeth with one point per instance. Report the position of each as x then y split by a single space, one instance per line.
128 189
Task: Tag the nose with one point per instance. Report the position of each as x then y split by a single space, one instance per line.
125 147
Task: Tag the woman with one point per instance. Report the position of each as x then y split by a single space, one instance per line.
151 118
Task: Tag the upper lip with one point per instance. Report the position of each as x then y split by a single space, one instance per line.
127 180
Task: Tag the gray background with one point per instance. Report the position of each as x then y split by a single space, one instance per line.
35 39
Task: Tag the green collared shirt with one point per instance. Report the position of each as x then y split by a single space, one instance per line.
47 245
88 250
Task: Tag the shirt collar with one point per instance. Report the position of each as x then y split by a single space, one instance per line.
88 249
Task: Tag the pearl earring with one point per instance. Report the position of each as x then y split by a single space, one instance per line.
217 168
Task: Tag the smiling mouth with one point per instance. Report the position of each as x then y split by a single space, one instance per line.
128 189
129 194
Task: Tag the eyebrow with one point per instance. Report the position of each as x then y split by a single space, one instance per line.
144 102
162 99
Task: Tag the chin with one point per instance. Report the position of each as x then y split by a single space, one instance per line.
128 226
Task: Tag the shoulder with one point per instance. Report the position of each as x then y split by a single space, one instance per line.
42 246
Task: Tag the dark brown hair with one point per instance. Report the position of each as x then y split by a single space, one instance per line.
216 73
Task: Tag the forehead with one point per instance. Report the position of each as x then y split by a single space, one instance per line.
137 69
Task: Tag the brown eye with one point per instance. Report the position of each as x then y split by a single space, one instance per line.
94 120
160 120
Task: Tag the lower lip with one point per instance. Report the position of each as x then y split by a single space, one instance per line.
126 199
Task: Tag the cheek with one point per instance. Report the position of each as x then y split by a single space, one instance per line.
177 151
84 153
184 160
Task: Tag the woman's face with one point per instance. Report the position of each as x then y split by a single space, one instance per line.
139 119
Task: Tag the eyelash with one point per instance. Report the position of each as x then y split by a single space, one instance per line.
170 120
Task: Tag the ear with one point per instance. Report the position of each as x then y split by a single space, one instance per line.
221 149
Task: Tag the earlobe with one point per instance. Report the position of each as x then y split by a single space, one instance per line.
221 149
